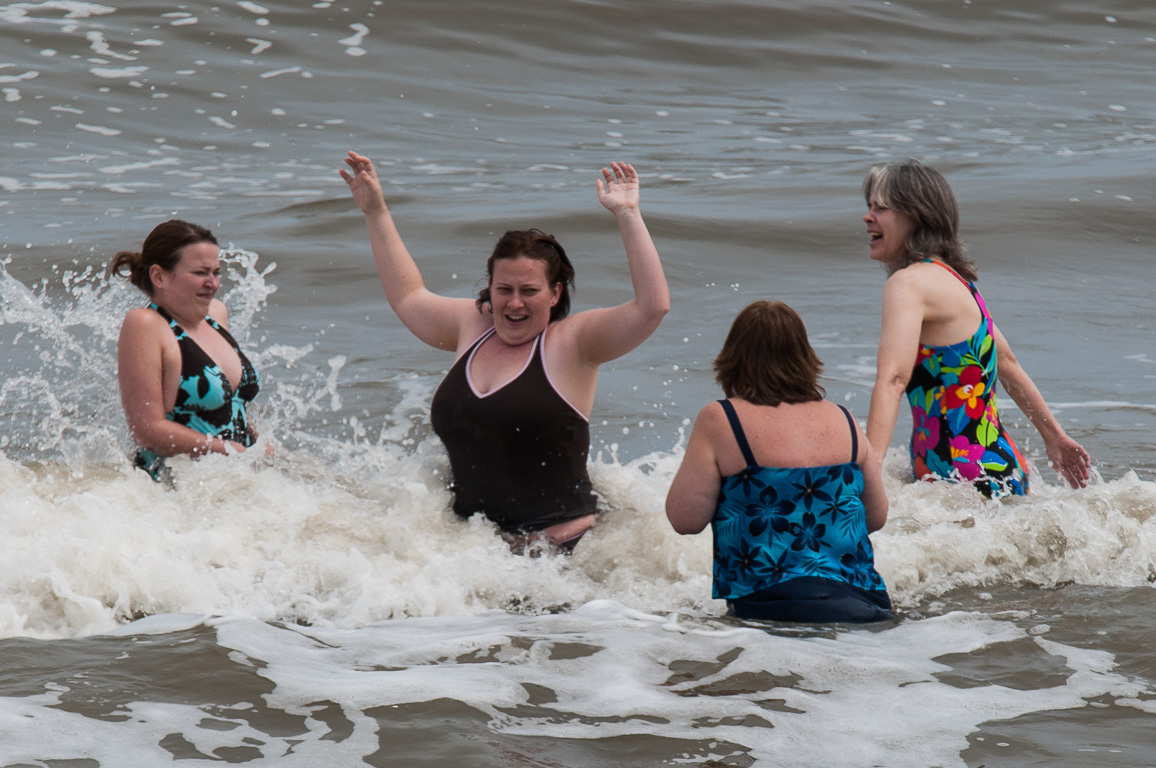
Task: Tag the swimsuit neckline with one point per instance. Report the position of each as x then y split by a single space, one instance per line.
525 366
231 388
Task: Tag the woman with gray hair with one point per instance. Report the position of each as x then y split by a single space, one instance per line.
939 346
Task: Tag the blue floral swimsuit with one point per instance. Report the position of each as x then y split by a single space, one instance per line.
956 432
790 543
206 401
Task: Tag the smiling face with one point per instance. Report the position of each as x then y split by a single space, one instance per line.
888 230
192 284
521 297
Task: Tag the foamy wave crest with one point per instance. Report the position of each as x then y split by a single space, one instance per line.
346 530
940 536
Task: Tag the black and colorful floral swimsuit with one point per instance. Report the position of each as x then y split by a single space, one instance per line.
956 430
206 401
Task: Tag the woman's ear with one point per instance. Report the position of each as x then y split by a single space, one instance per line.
156 276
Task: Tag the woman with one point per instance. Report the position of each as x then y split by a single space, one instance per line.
785 479
184 382
513 411
939 345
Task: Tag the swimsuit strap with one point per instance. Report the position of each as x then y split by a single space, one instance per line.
160 310
854 434
958 276
179 331
740 435
970 287
177 326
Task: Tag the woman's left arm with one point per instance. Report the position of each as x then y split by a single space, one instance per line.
605 334
692 499
1065 455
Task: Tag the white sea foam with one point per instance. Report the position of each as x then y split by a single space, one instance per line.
599 672
98 129
345 532
118 73
37 13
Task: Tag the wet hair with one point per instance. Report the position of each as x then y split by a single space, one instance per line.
767 359
533 244
922 193
162 247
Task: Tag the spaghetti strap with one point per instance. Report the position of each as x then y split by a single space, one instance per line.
854 435
737 428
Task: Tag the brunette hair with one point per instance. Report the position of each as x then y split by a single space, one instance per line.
922 193
533 244
767 359
162 247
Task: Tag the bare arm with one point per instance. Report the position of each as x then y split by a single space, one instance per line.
436 320
1065 455
605 334
139 375
874 498
693 496
898 349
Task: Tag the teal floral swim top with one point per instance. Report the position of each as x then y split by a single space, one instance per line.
206 400
956 432
775 524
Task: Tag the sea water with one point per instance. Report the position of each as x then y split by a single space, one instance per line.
326 604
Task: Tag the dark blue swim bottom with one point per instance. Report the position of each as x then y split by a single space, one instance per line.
813 600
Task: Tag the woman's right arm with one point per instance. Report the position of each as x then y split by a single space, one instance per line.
139 374
436 320
898 349
692 499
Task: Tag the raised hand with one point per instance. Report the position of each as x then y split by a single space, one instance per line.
363 183
620 191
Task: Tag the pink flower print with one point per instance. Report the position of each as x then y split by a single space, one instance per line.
965 458
926 431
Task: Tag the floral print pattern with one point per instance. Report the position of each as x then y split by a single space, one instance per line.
206 401
775 524
956 432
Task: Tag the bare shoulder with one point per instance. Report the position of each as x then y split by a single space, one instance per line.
473 325
144 329
712 421
837 411
470 327
711 413
219 312
563 335
919 275
917 285
142 320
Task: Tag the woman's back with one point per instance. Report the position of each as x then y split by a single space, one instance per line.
812 434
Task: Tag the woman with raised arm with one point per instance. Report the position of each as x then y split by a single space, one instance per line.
513 411
785 480
939 345
184 381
